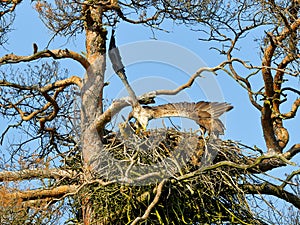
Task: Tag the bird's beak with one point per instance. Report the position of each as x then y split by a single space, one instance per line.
144 127
140 129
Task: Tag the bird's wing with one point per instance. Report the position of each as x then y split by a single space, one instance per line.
212 109
181 109
209 113
206 114
191 110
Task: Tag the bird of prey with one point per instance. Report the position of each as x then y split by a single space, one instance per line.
205 114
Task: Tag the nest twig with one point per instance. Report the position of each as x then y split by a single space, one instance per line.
141 161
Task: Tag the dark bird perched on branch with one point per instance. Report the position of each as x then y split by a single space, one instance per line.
35 48
205 114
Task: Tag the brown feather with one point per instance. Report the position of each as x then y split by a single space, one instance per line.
206 114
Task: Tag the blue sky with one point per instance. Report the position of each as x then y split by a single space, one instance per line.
243 122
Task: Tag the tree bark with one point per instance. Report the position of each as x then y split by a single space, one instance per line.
91 97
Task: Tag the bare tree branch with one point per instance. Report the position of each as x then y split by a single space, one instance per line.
292 113
55 54
35 173
10 5
55 192
295 149
271 189
152 204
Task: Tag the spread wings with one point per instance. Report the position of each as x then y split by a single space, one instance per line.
206 114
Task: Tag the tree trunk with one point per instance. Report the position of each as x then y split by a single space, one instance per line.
91 97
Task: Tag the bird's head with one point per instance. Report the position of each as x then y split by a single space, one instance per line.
143 122
142 116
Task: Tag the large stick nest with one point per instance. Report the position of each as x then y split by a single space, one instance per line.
196 189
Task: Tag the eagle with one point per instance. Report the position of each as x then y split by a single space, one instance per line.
205 114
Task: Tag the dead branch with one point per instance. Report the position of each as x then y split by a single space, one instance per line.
292 113
36 173
271 189
198 73
278 79
11 7
58 86
190 82
55 54
289 178
73 80
152 204
55 192
143 20
260 164
55 106
295 149
36 203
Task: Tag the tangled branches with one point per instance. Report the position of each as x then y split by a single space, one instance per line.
165 176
